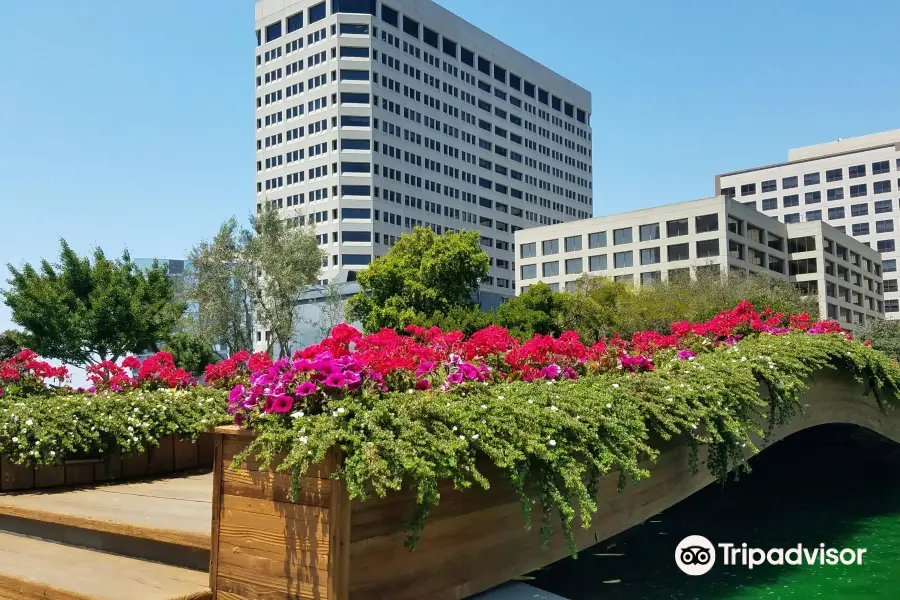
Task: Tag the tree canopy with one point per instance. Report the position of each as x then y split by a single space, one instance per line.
84 310
9 345
191 352
423 274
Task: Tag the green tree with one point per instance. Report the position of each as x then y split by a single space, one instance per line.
9 345
82 311
191 352
884 335
219 283
423 274
537 311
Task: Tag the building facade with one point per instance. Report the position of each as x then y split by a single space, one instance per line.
376 117
852 184
716 235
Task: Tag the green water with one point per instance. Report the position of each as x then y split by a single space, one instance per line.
833 485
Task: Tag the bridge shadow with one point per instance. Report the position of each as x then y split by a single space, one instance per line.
832 484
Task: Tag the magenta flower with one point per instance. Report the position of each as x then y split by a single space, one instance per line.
423 384
686 354
236 394
455 378
468 371
570 373
335 380
551 372
305 389
425 367
282 404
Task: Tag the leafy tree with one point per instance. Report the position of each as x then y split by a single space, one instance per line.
884 335
534 312
9 345
219 282
83 311
287 260
423 274
332 308
253 276
191 352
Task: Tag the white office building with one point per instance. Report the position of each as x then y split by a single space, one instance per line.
376 117
718 235
852 184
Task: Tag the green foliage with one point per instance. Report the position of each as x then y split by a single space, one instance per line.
884 335
332 308
258 273
9 345
535 311
554 441
191 352
42 430
82 311
423 274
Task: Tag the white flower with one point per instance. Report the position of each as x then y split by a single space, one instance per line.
500 398
553 408
608 405
15 440
454 428
462 437
691 357
130 428
303 439
410 391
615 385
37 442
484 407
694 426
552 442
531 402
136 409
52 453
341 410
668 387
743 359
297 415
29 422
475 436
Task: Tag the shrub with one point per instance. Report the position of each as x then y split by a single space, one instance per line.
884 335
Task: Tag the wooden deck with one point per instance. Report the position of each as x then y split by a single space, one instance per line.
147 540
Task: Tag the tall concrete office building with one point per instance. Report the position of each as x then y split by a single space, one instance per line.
853 184
375 117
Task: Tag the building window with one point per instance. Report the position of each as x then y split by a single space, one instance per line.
295 22
860 229
622 260
273 31
676 228
354 52
748 189
574 266
880 168
651 277
789 182
355 259
528 271
549 247
677 252
353 121
597 240
803 266
791 201
857 191
811 179
859 210
770 204
649 232
707 248
857 171
881 187
364 7
890 285
836 213
317 13
573 243
550 269
622 236
883 206
707 223
769 186
812 197
650 256
802 244
356 213
886 246
735 250
792 218
834 175
356 236
884 226
528 250
728 192
889 265
835 194
597 262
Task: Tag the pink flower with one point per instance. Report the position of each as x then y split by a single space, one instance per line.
236 394
686 354
425 367
335 380
455 378
282 404
306 388
423 384
550 372
131 363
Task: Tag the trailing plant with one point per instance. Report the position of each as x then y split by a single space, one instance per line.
554 416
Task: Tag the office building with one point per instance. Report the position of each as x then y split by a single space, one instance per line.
852 184
375 117
716 235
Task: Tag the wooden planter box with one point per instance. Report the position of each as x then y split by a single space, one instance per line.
172 455
264 546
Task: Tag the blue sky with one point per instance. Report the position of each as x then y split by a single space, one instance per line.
130 124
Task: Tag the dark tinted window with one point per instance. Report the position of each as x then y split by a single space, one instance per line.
467 56
354 75
295 22
515 82
410 27
789 182
354 213
543 96
317 12
706 223
354 29
556 103
353 98
430 37
356 259
355 144
389 15
529 89
449 47
356 236
356 167
354 52
484 65
356 190
500 74
351 121
359 7
273 31
581 116
569 110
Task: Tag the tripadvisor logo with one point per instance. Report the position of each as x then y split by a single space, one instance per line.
696 555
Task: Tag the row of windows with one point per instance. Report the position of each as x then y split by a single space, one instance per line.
771 185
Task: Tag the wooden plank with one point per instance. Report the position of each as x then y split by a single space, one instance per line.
249 490
80 474
295 561
339 542
243 591
109 468
205 450
216 516
186 454
162 457
235 445
50 476
285 510
276 486
15 477
135 465
298 539
272 575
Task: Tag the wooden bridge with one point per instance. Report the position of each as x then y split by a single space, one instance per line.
152 540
